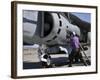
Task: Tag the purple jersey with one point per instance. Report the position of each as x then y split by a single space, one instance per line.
75 42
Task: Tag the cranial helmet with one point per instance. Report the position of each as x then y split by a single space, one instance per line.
74 33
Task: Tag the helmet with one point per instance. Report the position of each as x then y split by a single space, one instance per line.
74 33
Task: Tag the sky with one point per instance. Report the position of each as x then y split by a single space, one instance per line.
84 16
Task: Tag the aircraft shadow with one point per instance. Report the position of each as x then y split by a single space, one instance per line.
60 61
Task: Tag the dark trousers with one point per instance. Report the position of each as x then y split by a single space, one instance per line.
75 54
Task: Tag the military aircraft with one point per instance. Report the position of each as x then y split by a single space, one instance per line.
53 28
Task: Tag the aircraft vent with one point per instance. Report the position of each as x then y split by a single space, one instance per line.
48 24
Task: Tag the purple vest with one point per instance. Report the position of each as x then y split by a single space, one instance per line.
75 42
